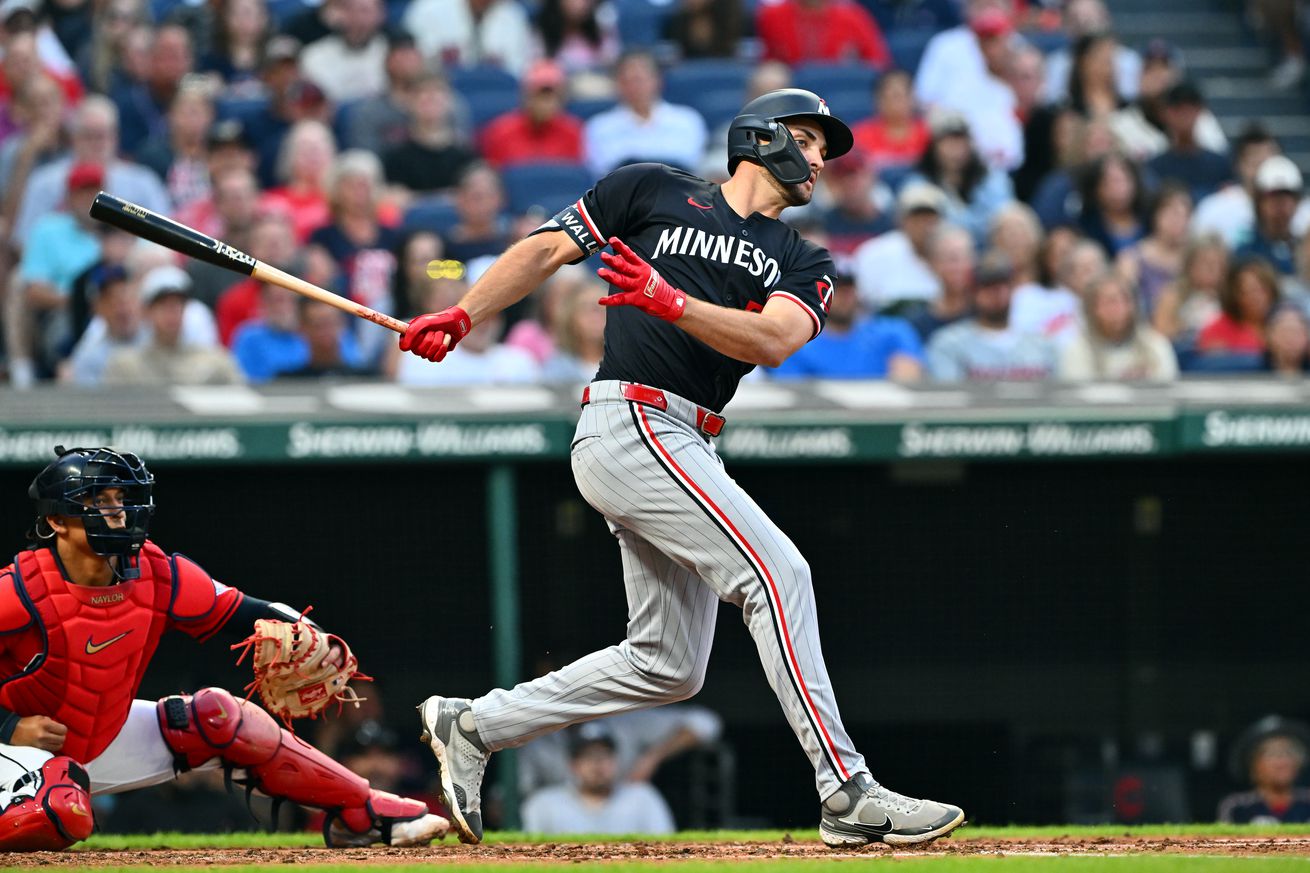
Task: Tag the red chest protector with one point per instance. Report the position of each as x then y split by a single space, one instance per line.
91 645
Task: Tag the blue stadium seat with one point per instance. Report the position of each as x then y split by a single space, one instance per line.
546 186
240 108
715 88
280 11
894 177
436 214
907 45
1047 41
848 88
589 106
641 22
488 91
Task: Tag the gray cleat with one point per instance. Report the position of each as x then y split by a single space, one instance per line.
449 729
862 811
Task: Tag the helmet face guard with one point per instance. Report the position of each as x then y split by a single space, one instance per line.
759 134
77 485
775 148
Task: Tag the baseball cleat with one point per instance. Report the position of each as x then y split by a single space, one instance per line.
449 729
400 834
862 811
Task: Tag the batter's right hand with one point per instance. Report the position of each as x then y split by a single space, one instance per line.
427 335
39 732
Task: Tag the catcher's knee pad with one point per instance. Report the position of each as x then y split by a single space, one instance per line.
48 808
213 724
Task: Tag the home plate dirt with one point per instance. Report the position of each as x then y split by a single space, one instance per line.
665 851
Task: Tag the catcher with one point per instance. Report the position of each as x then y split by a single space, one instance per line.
81 613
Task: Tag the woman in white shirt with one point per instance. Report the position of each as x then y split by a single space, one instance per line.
1115 345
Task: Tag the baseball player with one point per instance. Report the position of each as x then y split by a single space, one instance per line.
707 285
81 613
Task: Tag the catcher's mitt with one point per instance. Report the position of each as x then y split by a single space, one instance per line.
293 673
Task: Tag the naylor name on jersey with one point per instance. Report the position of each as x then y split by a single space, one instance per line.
718 247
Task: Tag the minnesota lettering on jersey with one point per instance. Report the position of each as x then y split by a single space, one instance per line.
725 249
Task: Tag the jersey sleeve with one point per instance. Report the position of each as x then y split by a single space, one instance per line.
808 284
610 208
201 604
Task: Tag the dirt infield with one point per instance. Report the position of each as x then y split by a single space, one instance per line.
662 851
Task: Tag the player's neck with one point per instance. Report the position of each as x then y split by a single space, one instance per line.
83 568
748 193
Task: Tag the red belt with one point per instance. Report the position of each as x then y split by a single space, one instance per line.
708 423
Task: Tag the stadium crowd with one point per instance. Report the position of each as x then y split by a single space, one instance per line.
1029 197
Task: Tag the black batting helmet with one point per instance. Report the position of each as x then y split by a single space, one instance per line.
71 484
779 154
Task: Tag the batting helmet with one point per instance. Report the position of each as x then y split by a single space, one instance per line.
71 485
778 153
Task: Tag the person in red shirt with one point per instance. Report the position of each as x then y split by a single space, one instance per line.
540 129
801 31
896 136
1246 300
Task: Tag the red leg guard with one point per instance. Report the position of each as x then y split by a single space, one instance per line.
212 723
48 808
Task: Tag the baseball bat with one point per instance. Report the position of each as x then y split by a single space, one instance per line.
139 221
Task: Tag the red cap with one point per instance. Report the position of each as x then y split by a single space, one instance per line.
991 22
544 74
86 175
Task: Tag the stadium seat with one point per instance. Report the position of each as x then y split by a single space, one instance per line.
436 214
847 88
894 177
240 108
587 107
641 22
714 88
907 46
488 91
546 186
1047 41
280 11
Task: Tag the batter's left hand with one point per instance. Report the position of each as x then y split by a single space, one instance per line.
641 284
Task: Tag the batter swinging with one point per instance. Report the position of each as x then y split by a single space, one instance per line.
710 284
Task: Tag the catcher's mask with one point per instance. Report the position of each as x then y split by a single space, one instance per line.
72 486
760 135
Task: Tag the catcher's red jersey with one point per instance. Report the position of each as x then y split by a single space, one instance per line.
77 654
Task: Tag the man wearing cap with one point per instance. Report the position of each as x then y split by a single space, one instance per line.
540 129
1230 211
117 303
64 243
859 208
1271 755
1186 161
266 129
167 359
985 348
893 268
1278 188
597 802
351 63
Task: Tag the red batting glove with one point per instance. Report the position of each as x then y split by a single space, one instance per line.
641 284
426 335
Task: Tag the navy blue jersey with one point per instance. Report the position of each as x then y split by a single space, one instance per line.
684 228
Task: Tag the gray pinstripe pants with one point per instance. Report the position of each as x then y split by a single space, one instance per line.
690 536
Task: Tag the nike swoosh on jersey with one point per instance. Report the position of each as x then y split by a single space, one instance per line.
698 205
92 648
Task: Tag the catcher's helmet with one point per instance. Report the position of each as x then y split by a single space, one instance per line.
70 485
763 116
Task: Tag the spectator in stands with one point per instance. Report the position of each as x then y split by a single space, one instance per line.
324 328
1078 145
952 259
1230 211
235 204
1156 261
167 359
1115 344
536 335
228 151
482 229
115 246
431 158
117 302
895 136
764 77
382 122
1015 231
1186 161
706 28
64 242
985 98
1270 754
952 55
1026 76
1049 306
643 127
312 24
1093 91
21 23
540 129
1192 301
984 347
1278 188
1296 288
307 156
466 33
597 802
855 346
71 22
236 52
180 155
19 68
94 140
143 106
273 241
1083 17
1248 295
859 206
578 35
1140 126
267 128
1288 352
892 269
1113 212
579 336
824 31
273 345
1282 20
410 280
974 191
351 63
101 61
38 110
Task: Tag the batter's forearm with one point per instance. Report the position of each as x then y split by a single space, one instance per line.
745 336
515 275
